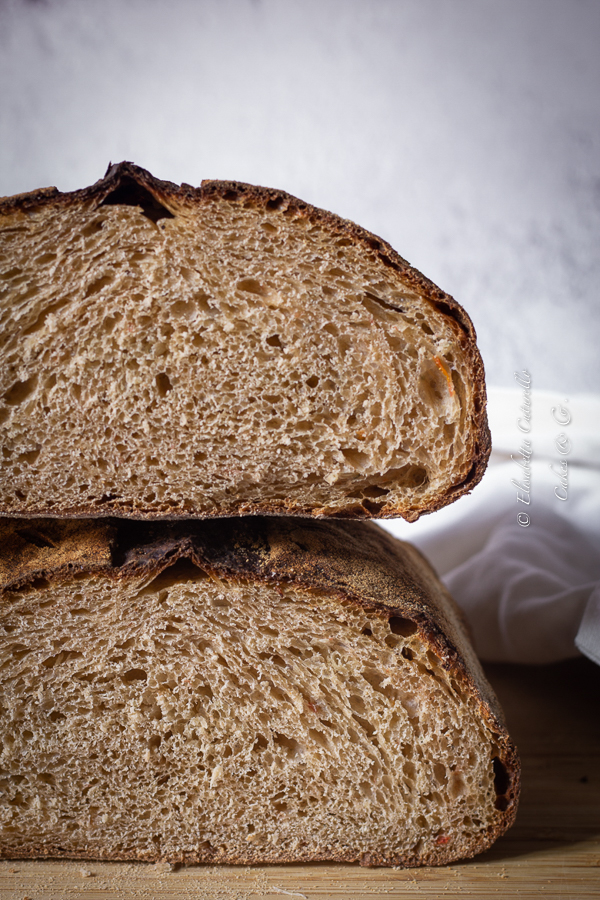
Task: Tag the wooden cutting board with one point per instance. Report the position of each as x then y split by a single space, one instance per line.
553 851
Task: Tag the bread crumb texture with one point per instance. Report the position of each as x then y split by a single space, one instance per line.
185 716
168 351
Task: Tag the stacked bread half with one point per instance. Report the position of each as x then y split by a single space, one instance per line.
196 663
174 352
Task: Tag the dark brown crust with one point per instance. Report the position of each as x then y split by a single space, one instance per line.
354 561
370 860
175 199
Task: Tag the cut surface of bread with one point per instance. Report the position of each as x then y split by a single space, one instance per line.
168 351
240 691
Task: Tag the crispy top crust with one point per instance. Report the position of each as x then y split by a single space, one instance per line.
354 561
172 199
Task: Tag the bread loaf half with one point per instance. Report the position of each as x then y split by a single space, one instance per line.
240 691
168 351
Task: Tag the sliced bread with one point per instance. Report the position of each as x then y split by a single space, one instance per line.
240 691
173 351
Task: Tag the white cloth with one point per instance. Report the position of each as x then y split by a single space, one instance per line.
531 592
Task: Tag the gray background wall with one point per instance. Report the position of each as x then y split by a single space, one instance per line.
465 132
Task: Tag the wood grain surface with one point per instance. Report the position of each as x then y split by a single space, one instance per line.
553 851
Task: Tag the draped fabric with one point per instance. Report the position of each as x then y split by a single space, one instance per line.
531 592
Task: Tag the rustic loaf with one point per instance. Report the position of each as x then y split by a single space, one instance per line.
171 352
240 691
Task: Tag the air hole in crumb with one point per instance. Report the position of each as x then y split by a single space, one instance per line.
367 631
180 572
457 786
364 724
134 675
501 781
275 203
12 273
292 747
356 458
29 457
373 508
92 228
313 381
439 770
373 491
183 309
408 476
274 341
407 653
106 498
97 285
20 391
61 657
163 384
252 286
46 778
398 625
